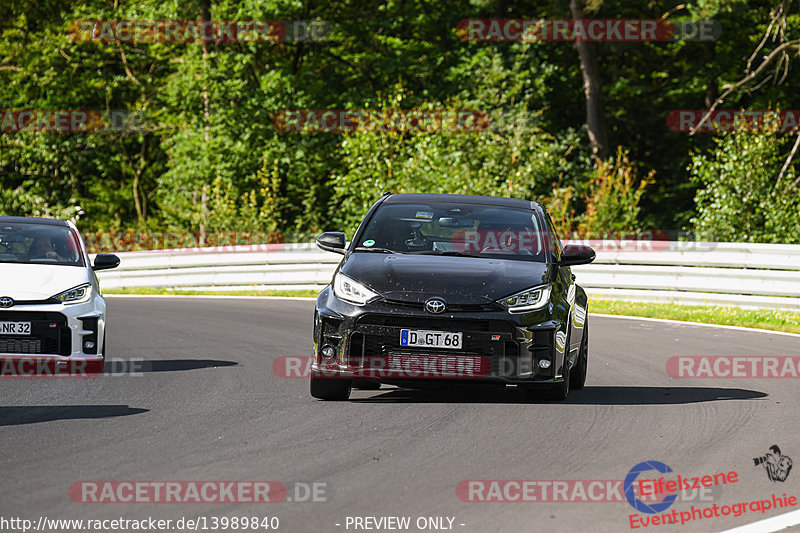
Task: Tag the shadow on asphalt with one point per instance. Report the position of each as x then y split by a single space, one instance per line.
162 365
18 415
613 395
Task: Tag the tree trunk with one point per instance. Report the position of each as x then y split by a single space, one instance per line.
138 200
205 15
592 90
711 80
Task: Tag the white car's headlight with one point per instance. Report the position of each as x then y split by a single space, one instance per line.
527 300
352 291
75 295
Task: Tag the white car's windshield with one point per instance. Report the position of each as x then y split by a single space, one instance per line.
39 244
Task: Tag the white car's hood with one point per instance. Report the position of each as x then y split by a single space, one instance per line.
39 282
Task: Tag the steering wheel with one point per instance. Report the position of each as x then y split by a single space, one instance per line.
498 250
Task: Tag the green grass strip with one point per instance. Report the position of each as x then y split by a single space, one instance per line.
771 319
166 290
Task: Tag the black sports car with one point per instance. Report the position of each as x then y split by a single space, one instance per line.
439 289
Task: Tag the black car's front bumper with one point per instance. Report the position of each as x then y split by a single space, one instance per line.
498 347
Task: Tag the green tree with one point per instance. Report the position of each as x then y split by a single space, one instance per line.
741 198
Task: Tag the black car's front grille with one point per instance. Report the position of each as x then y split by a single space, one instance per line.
50 333
382 345
379 336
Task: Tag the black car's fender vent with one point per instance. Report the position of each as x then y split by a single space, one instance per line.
330 330
542 341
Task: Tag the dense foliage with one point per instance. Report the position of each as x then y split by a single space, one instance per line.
208 157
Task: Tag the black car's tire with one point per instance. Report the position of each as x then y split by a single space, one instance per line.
361 384
557 394
579 378
330 388
560 390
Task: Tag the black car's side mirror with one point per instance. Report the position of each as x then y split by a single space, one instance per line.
105 261
576 254
332 241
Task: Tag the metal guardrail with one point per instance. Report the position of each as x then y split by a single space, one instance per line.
745 275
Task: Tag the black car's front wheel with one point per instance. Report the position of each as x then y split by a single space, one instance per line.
579 377
560 389
325 388
557 394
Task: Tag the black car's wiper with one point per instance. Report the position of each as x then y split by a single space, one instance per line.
376 250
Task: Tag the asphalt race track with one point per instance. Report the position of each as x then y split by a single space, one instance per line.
207 405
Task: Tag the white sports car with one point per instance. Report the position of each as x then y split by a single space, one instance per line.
50 302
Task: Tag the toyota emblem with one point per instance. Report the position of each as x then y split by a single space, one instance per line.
435 305
5 301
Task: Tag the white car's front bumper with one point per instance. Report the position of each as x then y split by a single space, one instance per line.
58 329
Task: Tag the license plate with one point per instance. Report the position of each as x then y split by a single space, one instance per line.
429 338
15 328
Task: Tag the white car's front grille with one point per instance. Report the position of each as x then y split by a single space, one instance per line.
12 345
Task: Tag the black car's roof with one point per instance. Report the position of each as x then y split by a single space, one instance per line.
33 220
412 198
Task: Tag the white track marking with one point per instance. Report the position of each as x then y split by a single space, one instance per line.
768 525
700 324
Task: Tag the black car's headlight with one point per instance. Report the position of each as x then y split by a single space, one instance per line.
527 300
350 290
75 295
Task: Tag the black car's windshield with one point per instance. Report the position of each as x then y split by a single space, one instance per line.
455 229
39 244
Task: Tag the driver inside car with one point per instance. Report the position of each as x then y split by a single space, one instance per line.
43 247
403 236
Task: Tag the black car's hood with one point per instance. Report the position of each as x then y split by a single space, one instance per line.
459 280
